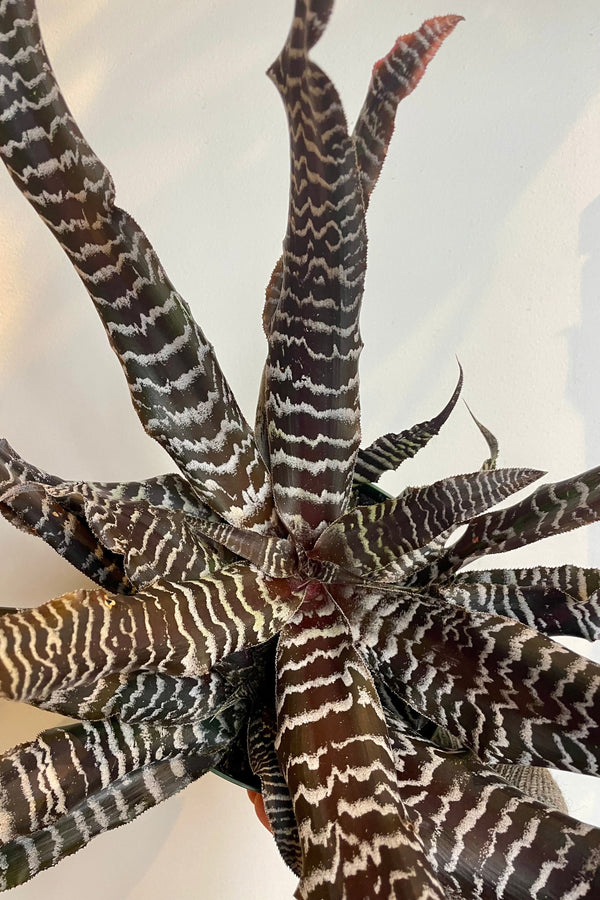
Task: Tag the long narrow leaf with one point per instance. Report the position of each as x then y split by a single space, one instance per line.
180 630
312 408
333 751
176 385
262 733
371 537
394 77
152 540
506 691
547 609
551 509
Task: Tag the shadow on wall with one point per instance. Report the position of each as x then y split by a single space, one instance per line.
584 342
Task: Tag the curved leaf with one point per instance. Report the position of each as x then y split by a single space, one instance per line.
371 537
312 407
509 693
176 385
387 452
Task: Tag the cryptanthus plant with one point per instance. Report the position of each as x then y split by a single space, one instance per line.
268 611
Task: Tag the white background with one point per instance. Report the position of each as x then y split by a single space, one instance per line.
484 243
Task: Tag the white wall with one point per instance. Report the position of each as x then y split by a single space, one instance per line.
484 243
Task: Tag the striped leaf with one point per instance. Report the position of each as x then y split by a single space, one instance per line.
371 537
177 387
551 509
67 533
150 539
557 601
464 811
504 690
119 803
387 452
394 77
174 629
115 772
312 407
262 733
333 751
164 699
274 556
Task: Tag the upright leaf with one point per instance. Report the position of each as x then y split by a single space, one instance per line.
394 77
312 408
176 385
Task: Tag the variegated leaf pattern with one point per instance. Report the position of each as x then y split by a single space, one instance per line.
117 771
371 537
117 804
394 77
177 387
465 811
503 689
274 556
333 750
387 452
262 732
267 613
537 783
152 697
177 629
27 503
67 533
551 509
312 408
544 605
150 539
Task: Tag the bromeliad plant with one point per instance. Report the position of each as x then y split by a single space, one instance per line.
271 612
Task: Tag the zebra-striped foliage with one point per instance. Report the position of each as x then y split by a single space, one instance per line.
270 612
